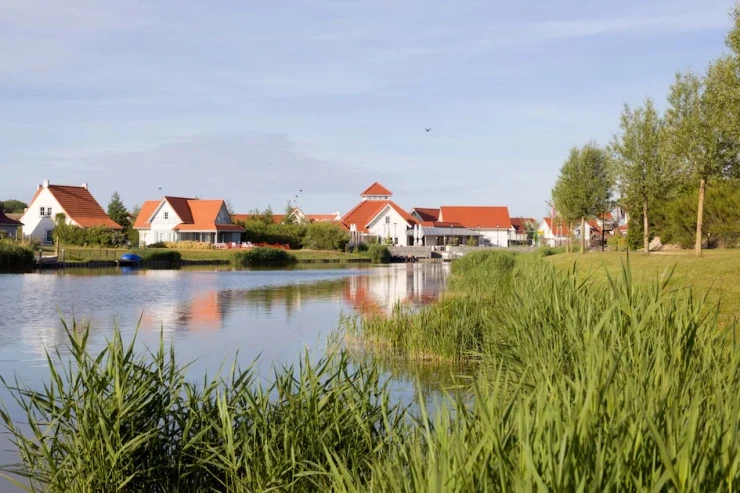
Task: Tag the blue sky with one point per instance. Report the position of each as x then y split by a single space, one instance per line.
252 101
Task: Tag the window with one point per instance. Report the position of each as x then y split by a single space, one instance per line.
166 215
48 211
387 219
49 236
42 211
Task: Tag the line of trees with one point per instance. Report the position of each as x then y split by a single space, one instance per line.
656 163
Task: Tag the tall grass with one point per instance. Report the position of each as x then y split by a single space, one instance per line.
577 387
14 256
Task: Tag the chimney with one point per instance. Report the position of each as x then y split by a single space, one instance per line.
45 184
84 185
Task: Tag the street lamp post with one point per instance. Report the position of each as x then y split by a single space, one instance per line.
498 240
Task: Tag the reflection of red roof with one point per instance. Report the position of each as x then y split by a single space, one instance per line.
520 223
194 214
426 214
364 212
487 217
205 312
6 221
376 189
561 229
80 206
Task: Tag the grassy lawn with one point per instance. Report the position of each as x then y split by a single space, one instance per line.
81 253
716 269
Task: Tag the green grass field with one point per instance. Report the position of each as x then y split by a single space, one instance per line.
717 271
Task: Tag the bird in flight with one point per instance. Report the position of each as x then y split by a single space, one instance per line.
427 129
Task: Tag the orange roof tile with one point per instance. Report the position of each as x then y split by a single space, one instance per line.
427 214
80 206
195 214
322 217
376 189
519 223
364 212
560 226
487 217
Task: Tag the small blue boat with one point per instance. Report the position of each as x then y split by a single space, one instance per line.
129 259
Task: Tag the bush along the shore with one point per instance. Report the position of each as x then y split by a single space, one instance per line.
170 257
378 253
15 256
262 256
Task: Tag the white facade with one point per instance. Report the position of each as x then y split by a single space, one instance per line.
497 236
546 235
38 219
390 224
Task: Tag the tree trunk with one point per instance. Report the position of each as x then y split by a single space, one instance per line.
700 216
645 231
583 235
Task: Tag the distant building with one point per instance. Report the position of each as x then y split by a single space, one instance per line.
75 202
553 231
524 228
377 216
9 227
174 219
296 216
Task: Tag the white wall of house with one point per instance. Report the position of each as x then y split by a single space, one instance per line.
162 225
546 236
38 220
389 223
496 236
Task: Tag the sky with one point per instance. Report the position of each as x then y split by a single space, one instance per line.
255 101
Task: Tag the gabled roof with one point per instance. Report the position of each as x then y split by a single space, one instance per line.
322 217
6 221
376 189
561 228
426 213
474 217
195 214
364 213
79 205
520 223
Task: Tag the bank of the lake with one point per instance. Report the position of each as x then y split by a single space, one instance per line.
579 384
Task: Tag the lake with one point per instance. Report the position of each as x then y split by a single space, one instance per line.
272 316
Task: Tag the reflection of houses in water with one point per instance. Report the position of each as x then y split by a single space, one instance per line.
412 284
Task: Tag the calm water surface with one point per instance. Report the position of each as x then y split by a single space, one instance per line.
273 315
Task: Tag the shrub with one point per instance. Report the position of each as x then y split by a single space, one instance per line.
256 256
15 256
325 236
379 253
171 257
159 244
188 245
361 247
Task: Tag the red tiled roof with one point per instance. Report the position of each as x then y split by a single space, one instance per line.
595 228
322 217
195 214
427 214
376 189
486 217
6 221
80 206
364 212
520 223
441 224
560 226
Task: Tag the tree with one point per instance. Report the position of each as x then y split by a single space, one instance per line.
267 215
695 137
13 206
229 207
135 213
584 186
642 171
289 208
118 212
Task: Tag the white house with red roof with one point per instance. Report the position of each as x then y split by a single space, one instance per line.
553 231
173 219
379 217
75 202
488 225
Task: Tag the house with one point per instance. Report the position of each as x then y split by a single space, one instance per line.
492 223
76 203
8 227
296 216
553 231
173 219
379 217
523 229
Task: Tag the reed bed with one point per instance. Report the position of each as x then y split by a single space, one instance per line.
577 387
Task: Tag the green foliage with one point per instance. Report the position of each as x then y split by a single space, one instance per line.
122 421
388 241
379 253
118 212
471 241
13 206
325 236
261 228
257 256
152 254
15 256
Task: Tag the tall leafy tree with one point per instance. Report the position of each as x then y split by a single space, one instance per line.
13 206
696 138
642 172
118 212
584 185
